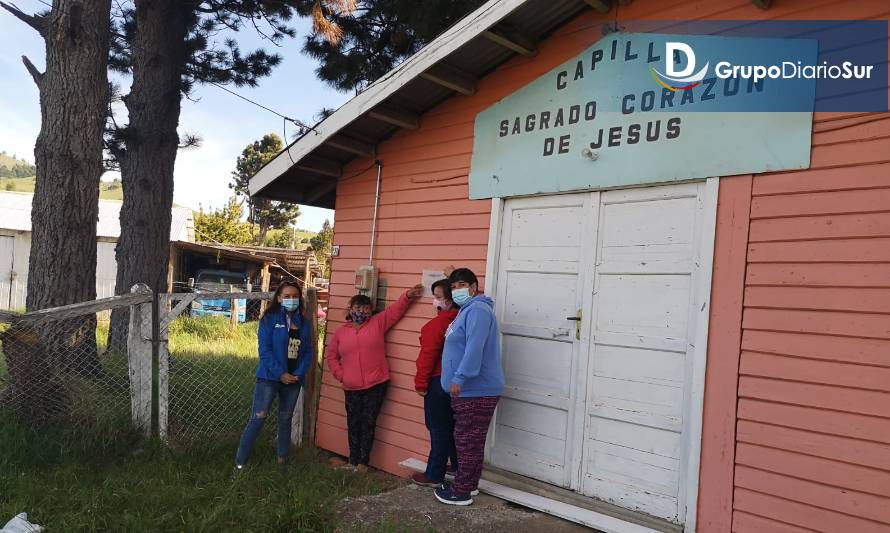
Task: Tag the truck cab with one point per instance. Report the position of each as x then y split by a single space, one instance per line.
216 281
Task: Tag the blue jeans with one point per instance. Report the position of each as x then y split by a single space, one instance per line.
439 420
263 395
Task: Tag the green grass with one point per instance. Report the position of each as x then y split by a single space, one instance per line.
107 190
69 482
101 475
17 184
212 376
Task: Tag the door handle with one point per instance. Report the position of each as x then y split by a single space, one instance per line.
577 320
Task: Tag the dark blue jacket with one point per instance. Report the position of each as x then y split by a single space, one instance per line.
272 344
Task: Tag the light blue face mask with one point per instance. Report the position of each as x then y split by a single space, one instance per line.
290 304
461 296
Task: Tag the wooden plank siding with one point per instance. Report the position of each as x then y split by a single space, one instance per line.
425 221
813 429
813 433
797 402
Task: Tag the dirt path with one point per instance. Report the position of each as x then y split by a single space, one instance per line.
411 508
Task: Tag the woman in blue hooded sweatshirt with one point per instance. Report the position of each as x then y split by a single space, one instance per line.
286 351
472 373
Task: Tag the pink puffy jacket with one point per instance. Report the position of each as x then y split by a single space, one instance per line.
356 357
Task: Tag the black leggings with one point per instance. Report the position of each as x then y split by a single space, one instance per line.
362 408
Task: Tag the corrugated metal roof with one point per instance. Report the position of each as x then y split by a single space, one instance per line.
182 224
307 171
223 251
15 214
294 260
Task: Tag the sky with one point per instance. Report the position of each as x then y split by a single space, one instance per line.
225 123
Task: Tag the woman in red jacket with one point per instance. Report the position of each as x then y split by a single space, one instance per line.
437 411
356 357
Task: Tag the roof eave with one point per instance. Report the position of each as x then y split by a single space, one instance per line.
471 26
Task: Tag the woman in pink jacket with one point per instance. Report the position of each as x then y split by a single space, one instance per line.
356 357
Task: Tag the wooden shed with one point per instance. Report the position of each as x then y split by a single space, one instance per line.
730 370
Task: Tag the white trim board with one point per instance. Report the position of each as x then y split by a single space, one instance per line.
453 38
492 258
585 517
697 386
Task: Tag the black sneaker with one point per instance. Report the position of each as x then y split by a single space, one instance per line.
447 484
445 495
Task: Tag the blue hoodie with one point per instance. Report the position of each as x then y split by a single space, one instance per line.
472 354
272 340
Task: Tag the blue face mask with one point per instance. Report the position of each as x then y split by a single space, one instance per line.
290 304
461 296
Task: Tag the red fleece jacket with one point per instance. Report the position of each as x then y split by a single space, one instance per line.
432 340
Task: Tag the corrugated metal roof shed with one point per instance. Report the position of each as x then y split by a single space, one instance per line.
15 214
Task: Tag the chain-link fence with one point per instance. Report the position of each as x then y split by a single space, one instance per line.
212 368
187 371
211 348
55 368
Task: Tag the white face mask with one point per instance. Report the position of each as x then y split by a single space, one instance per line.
441 304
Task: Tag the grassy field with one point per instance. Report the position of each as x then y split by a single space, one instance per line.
107 190
72 482
101 476
303 234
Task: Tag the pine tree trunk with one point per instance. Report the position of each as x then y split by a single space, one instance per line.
261 236
73 105
151 145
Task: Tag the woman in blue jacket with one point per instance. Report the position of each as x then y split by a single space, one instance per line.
472 373
286 351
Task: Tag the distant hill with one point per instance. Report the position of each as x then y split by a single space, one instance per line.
9 161
305 234
108 190
10 167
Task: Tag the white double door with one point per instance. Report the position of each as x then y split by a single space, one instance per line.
601 405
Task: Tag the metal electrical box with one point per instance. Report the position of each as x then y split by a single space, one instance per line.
366 281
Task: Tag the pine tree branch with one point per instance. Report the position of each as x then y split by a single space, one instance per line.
32 70
38 22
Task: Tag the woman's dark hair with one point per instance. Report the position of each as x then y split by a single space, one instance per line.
463 274
275 306
358 299
446 287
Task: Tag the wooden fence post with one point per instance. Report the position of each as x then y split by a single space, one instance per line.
313 376
139 358
233 310
264 286
163 397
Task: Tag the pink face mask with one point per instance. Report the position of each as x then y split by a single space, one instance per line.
440 304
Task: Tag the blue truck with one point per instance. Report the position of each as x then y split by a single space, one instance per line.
216 281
